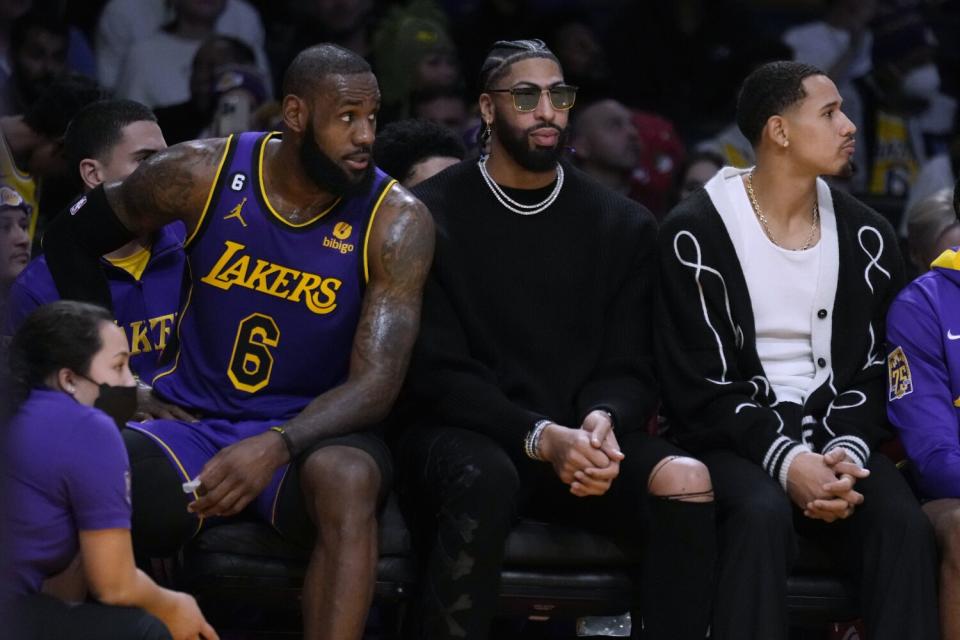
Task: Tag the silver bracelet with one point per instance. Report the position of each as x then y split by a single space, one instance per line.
531 443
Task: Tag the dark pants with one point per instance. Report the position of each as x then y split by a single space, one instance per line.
462 494
42 617
886 547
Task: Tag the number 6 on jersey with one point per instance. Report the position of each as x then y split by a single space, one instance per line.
251 362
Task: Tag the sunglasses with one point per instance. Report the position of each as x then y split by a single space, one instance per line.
526 98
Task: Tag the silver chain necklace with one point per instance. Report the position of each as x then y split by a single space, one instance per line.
766 225
513 205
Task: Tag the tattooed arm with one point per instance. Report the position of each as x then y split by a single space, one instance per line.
399 255
170 185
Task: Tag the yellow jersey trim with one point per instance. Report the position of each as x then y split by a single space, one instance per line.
213 189
179 465
949 259
266 200
134 264
366 237
183 312
14 169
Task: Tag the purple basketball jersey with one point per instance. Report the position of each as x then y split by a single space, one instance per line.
269 319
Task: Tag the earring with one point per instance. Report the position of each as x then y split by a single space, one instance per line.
71 390
786 143
485 133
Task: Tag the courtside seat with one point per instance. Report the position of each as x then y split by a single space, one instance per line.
550 570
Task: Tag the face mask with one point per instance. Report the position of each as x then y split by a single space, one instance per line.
922 82
120 403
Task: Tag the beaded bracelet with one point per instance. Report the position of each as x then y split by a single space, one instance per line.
531 444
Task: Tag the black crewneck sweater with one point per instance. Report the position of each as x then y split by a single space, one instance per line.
531 317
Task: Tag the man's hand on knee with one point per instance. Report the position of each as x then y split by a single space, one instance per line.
238 474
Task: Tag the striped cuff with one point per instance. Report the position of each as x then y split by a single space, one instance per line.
855 447
780 456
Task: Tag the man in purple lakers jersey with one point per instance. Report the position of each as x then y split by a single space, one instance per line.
306 267
106 141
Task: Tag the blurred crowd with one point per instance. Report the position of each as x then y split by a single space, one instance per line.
657 80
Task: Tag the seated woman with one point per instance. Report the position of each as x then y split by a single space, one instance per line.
67 488
923 366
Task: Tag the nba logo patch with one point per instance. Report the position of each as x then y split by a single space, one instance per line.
898 374
76 205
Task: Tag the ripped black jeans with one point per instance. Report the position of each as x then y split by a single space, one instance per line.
461 495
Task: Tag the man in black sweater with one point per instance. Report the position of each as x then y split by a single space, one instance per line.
532 383
770 320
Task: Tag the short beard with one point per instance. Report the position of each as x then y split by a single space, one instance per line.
327 174
517 145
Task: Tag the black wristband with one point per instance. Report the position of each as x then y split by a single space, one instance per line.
287 442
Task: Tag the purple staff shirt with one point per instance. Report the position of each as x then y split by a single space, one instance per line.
66 471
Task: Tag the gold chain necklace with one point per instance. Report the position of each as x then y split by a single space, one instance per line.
766 225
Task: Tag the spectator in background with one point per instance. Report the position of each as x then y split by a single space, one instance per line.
413 150
38 54
187 120
31 145
923 367
347 23
606 144
661 154
106 142
443 105
932 228
176 44
67 477
10 10
14 239
412 52
125 22
582 56
699 167
841 44
901 86
938 172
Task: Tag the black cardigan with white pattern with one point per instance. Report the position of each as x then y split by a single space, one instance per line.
715 391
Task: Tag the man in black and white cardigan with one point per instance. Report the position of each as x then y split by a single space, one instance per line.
773 293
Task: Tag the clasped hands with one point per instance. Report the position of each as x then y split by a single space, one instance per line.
823 485
588 459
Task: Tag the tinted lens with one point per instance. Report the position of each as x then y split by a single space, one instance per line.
526 98
563 96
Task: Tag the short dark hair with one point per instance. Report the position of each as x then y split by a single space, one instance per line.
768 91
98 126
401 145
41 21
315 63
62 334
504 53
59 102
